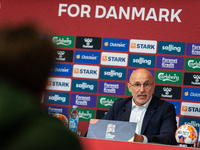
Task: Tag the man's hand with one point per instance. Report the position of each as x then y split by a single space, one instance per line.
138 138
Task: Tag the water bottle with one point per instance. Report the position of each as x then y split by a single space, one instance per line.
73 120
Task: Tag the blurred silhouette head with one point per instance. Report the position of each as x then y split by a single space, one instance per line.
26 57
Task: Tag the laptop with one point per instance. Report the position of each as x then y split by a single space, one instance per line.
111 130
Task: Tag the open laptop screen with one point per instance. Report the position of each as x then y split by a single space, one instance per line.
111 130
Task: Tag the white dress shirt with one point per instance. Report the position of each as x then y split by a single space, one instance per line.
137 115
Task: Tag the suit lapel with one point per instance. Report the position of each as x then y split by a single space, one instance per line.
126 115
152 108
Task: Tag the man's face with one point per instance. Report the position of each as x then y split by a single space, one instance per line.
141 85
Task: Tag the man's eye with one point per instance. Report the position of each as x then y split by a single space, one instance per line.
146 84
137 85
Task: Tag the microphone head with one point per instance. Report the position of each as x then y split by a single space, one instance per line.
123 110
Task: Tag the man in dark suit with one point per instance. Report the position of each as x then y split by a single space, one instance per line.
156 118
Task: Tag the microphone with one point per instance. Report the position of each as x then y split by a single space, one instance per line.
121 113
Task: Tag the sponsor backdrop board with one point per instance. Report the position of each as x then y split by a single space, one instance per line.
99 44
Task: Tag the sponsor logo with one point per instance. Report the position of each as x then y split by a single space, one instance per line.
171 48
84 85
62 70
88 42
83 71
143 46
83 100
115 44
191 94
170 62
87 57
169 77
165 77
116 59
57 98
177 106
110 130
60 53
190 121
192 64
141 61
176 48
168 92
60 84
63 41
55 109
192 79
193 49
184 108
85 114
111 88
196 77
64 55
190 109
113 73
106 101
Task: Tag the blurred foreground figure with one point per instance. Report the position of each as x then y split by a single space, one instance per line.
25 63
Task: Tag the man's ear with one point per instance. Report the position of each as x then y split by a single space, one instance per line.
129 87
154 85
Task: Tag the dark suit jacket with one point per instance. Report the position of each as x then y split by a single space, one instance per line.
159 119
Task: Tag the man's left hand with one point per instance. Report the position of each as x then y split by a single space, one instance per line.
138 138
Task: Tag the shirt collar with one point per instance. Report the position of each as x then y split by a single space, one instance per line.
145 105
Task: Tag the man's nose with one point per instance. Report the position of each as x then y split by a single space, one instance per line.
142 88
